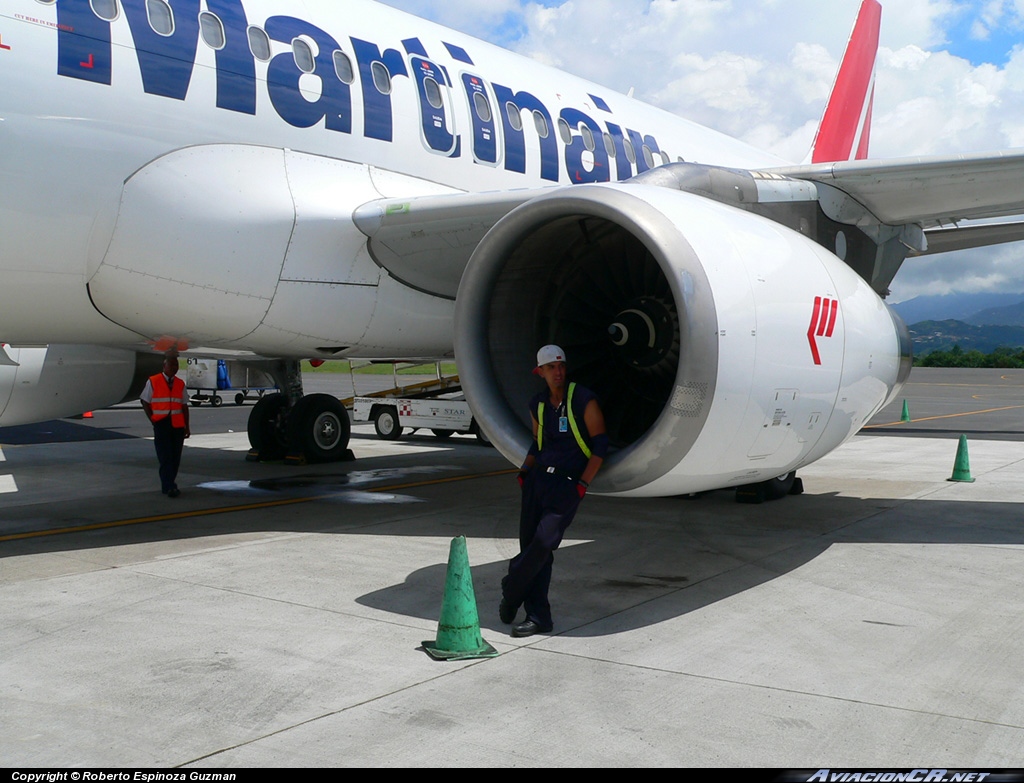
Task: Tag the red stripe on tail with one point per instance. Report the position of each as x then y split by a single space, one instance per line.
849 102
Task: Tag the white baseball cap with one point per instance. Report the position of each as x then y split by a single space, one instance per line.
548 354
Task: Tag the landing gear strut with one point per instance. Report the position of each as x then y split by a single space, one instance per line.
299 429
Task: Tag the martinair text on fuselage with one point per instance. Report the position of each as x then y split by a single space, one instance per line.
167 34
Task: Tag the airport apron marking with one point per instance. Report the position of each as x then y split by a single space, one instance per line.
205 512
945 416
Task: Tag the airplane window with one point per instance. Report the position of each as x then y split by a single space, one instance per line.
212 30
564 132
648 156
630 152
609 145
46 2
104 9
343 67
433 91
514 118
259 43
381 77
161 17
302 53
588 138
540 122
482 107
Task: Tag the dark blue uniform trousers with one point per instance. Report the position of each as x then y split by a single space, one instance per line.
169 442
550 502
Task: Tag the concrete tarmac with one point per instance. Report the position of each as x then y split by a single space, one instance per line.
274 616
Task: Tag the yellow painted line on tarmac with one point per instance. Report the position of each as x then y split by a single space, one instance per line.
970 385
205 512
946 416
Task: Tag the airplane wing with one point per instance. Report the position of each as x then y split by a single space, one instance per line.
427 241
933 192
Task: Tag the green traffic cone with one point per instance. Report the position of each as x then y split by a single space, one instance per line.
458 630
962 465
906 412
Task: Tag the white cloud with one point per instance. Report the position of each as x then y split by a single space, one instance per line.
761 70
484 20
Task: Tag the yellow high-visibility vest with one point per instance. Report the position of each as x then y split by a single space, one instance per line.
572 424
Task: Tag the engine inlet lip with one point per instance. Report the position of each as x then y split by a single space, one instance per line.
634 209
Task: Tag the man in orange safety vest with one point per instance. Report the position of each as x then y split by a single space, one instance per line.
166 404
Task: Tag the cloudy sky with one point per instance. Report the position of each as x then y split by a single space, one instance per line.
950 78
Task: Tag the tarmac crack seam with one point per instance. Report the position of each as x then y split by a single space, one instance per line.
331 714
139 569
775 689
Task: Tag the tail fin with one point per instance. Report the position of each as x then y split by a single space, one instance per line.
846 125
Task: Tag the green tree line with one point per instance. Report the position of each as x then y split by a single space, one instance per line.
1002 358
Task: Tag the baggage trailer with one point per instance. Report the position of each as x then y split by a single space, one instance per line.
210 377
392 415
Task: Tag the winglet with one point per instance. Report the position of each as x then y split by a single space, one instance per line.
846 125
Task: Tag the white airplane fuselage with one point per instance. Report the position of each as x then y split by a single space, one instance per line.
154 186
69 142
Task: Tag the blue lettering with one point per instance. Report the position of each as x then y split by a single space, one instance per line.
515 143
165 61
623 168
283 79
377 122
639 142
166 64
432 87
481 112
574 165
83 42
236 67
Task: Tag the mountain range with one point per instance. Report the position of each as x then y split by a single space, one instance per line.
980 322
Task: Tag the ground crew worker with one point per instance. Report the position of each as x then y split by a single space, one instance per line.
166 404
569 446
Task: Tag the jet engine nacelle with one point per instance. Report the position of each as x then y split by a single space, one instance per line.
42 383
726 348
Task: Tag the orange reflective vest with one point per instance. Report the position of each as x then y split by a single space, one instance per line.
167 401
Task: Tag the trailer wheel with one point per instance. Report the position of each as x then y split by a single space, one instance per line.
239 399
216 401
386 423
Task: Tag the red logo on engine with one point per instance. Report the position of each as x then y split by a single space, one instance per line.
823 323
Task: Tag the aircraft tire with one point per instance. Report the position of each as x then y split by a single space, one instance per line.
386 423
265 436
780 486
771 489
319 427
